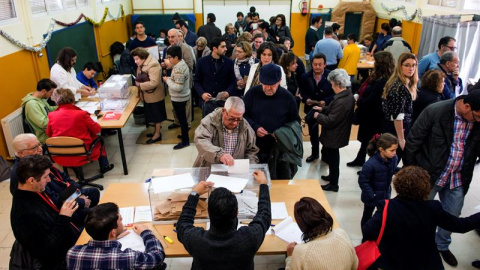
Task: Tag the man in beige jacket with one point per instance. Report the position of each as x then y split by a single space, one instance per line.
224 135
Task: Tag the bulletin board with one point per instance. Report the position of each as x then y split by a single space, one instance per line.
79 37
226 11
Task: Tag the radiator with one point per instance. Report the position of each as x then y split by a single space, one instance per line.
12 126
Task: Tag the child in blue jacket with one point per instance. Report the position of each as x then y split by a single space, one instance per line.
376 175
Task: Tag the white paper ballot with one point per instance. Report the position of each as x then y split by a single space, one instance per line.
171 183
279 210
288 231
133 241
127 215
143 214
235 185
240 166
219 168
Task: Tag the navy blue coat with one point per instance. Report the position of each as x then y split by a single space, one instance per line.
310 90
208 80
375 179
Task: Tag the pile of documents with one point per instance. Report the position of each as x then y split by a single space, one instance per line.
171 208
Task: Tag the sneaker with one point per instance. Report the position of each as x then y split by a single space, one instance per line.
181 145
448 257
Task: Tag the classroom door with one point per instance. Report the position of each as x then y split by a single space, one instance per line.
353 21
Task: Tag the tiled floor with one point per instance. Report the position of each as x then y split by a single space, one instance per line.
346 204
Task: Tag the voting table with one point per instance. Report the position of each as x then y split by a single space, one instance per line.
288 191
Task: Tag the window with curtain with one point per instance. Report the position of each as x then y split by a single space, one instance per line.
45 6
443 3
404 1
7 10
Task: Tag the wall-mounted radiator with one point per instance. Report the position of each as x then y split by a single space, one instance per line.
12 126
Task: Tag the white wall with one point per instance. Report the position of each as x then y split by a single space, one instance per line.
29 29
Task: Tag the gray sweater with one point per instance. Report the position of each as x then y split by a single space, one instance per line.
179 82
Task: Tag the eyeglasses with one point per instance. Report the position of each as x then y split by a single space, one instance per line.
232 119
452 48
409 66
33 148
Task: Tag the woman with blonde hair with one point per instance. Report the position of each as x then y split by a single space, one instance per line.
201 49
397 99
242 64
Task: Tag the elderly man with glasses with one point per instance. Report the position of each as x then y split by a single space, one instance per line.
224 135
28 145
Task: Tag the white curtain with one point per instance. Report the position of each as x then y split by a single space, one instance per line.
468 48
433 29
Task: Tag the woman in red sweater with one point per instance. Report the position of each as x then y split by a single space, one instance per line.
69 120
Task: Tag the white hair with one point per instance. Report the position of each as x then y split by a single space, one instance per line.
339 77
236 103
20 141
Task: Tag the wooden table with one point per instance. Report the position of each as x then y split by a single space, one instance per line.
119 124
135 194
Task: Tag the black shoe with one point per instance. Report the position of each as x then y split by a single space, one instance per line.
108 132
172 126
149 135
476 264
355 163
330 187
103 170
325 178
448 257
181 145
155 140
311 158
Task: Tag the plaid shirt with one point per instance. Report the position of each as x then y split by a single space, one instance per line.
108 255
453 170
230 139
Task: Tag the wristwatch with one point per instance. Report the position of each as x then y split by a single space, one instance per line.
194 193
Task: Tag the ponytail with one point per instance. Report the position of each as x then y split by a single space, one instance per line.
385 141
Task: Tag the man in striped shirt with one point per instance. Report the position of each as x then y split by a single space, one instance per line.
445 141
104 225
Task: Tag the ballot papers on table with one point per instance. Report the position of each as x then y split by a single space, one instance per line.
279 210
240 166
288 231
132 240
172 183
235 185
131 215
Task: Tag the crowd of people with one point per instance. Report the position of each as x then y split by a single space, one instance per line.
250 87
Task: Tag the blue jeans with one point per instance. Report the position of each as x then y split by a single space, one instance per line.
452 202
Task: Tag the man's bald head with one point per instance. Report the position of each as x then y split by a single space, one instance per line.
397 31
26 145
173 36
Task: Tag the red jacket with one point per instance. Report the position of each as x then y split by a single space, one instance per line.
69 120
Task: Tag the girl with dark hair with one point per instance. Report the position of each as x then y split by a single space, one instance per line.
267 54
288 62
281 30
333 249
376 175
64 75
369 113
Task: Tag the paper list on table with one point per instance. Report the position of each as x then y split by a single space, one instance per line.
288 231
132 240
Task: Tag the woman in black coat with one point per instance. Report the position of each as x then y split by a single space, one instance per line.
369 113
336 120
409 237
431 91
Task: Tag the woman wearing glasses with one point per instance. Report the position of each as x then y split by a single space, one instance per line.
397 100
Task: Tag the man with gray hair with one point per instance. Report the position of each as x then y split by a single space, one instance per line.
224 135
450 65
397 45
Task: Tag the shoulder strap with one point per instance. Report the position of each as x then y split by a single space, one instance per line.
384 221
